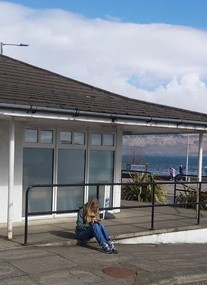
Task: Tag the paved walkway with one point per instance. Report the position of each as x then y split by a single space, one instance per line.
79 265
127 223
52 255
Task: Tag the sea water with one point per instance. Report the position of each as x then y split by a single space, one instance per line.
158 164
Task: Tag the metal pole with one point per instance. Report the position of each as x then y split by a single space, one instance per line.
198 205
200 162
153 208
11 178
26 215
17 45
175 188
187 155
98 192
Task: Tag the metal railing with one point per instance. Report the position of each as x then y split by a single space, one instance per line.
152 204
189 183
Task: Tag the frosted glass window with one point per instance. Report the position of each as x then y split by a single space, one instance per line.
108 139
101 166
96 139
46 136
101 170
70 171
31 136
65 137
38 169
79 138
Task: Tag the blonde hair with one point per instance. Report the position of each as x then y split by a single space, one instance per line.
91 210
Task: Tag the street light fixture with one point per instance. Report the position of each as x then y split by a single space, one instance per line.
17 45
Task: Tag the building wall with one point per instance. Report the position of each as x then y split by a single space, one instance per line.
4 151
18 164
4 169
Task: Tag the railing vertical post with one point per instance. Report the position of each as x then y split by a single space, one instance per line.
97 192
175 188
198 206
153 208
26 217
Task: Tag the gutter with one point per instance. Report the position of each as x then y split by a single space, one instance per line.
32 110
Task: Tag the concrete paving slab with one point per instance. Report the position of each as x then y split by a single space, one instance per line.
23 253
161 264
41 264
65 277
19 280
8 270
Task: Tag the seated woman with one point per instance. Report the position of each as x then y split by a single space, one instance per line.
89 225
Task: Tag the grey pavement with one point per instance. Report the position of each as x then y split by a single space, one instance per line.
128 223
53 255
77 265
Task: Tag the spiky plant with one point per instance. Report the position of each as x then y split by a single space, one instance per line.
141 188
190 196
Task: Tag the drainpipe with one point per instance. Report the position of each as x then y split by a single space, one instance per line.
8 109
11 178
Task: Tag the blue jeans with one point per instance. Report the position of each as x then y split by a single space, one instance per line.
96 230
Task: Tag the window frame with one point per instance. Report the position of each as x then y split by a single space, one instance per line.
103 147
39 143
72 144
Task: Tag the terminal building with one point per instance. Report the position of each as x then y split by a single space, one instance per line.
55 130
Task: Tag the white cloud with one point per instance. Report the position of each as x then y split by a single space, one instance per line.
155 62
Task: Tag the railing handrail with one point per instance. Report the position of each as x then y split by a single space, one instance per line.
152 205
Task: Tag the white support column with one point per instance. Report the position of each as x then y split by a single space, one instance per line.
200 157
86 190
118 168
11 177
187 155
200 162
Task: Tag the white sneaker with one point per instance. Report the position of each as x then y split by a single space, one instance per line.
106 248
112 246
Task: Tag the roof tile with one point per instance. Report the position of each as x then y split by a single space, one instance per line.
22 83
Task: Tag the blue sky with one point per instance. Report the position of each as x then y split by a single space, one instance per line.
176 12
152 50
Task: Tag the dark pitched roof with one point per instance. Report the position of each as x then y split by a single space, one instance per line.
24 84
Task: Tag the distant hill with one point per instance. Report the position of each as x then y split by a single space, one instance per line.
162 145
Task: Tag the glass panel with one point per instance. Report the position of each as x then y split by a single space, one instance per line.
46 136
69 198
79 138
65 138
96 139
38 169
30 136
101 169
70 171
108 140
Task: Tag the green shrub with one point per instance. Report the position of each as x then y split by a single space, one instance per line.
190 196
143 192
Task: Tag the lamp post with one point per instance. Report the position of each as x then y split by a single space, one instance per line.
11 162
187 155
17 45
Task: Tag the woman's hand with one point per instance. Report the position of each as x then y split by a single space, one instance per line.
96 220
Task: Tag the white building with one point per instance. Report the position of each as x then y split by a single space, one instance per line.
55 130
